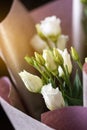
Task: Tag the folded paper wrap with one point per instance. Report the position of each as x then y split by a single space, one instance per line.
18 120
16 31
68 118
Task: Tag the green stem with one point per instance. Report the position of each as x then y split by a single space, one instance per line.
67 79
79 64
37 66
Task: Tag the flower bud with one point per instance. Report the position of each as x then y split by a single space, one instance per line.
29 60
49 60
67 60
61 42
51 95
60 71
57 56
32 82
38 43
39 58
74 54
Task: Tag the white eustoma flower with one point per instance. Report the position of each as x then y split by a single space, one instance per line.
53 97
32 82
62 40
50 26
38 44
49 60
67 61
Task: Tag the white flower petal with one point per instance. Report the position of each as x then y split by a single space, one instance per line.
53 97
49 59
60 70
67 60
38 43
62 40
50 26
32 82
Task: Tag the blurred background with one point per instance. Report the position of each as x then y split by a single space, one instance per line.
5 6
32 4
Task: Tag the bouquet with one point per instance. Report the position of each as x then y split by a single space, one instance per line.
54 63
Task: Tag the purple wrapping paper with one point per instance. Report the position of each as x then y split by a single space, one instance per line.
68 118
5 87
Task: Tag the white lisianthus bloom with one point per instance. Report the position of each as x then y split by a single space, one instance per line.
49 60
38 44
62 40
49 27
53 97
33 83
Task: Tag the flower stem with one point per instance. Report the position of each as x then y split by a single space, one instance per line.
67 79
79 64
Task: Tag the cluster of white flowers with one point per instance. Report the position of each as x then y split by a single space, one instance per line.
50 27
54 65
50 34
34 83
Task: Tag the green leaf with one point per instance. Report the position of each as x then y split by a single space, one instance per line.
77 87
73 101
84 1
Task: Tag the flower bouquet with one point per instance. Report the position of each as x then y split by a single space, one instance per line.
55 64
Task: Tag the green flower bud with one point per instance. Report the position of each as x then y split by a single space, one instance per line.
39 58
49 60
29 60
57 56
74 54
